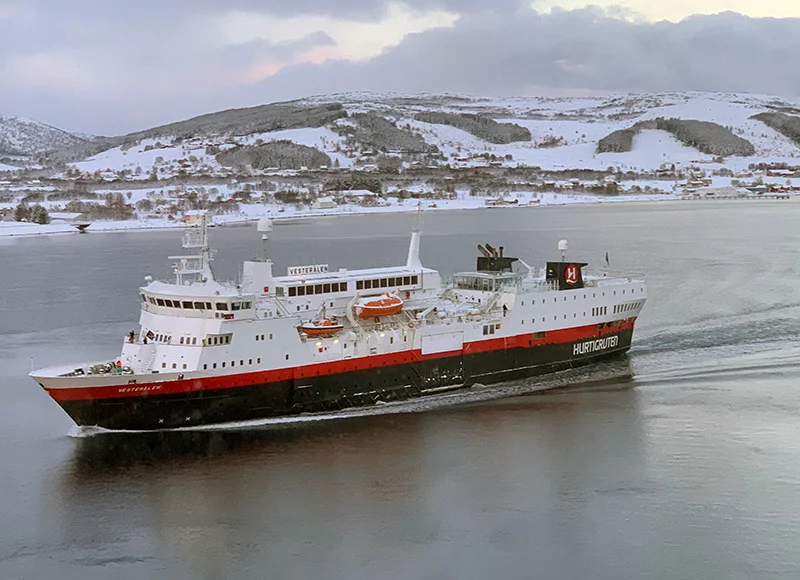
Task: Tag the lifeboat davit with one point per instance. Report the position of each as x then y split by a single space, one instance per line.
374 306
324 327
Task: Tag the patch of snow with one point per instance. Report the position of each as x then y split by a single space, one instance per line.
8 229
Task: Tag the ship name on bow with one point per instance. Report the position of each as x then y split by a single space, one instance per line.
140 388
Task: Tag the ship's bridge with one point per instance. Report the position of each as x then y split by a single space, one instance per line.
488 281
203 300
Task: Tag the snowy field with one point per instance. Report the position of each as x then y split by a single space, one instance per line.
577 123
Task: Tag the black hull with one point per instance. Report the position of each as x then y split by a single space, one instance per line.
334 391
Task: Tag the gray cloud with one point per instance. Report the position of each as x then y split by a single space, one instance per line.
583 49
166 75
156 12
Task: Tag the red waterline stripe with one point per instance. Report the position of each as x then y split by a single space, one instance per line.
211 383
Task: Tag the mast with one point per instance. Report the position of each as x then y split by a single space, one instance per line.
195 267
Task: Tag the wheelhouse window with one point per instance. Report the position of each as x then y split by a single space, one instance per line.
222 305
199 305
236 305
187 304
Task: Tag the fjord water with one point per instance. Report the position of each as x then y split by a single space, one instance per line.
680 461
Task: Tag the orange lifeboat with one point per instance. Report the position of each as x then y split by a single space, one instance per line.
324 327
384 305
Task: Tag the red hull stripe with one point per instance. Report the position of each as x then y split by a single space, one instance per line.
211 383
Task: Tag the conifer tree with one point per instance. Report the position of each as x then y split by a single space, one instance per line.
39 215
22 213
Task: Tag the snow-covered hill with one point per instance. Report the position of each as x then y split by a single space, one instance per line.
564 132
25 137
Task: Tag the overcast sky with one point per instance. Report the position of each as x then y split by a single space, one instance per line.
104 67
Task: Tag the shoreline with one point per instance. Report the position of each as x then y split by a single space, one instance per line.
256 212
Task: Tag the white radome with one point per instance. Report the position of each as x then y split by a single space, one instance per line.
264 225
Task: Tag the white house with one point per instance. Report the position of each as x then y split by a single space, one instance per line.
323 203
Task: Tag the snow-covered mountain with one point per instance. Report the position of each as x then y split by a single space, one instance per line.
458 131
25 137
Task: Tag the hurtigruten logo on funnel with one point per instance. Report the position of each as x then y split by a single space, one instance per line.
571 274
591 346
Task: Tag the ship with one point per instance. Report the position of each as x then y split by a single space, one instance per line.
320 340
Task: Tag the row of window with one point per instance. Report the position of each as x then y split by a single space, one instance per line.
313 289
585 296
195 305
627 307
214 365
490 329
233 364
223 364
386 282
192 340
210 340
600 311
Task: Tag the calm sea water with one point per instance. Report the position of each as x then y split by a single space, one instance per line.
681 461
